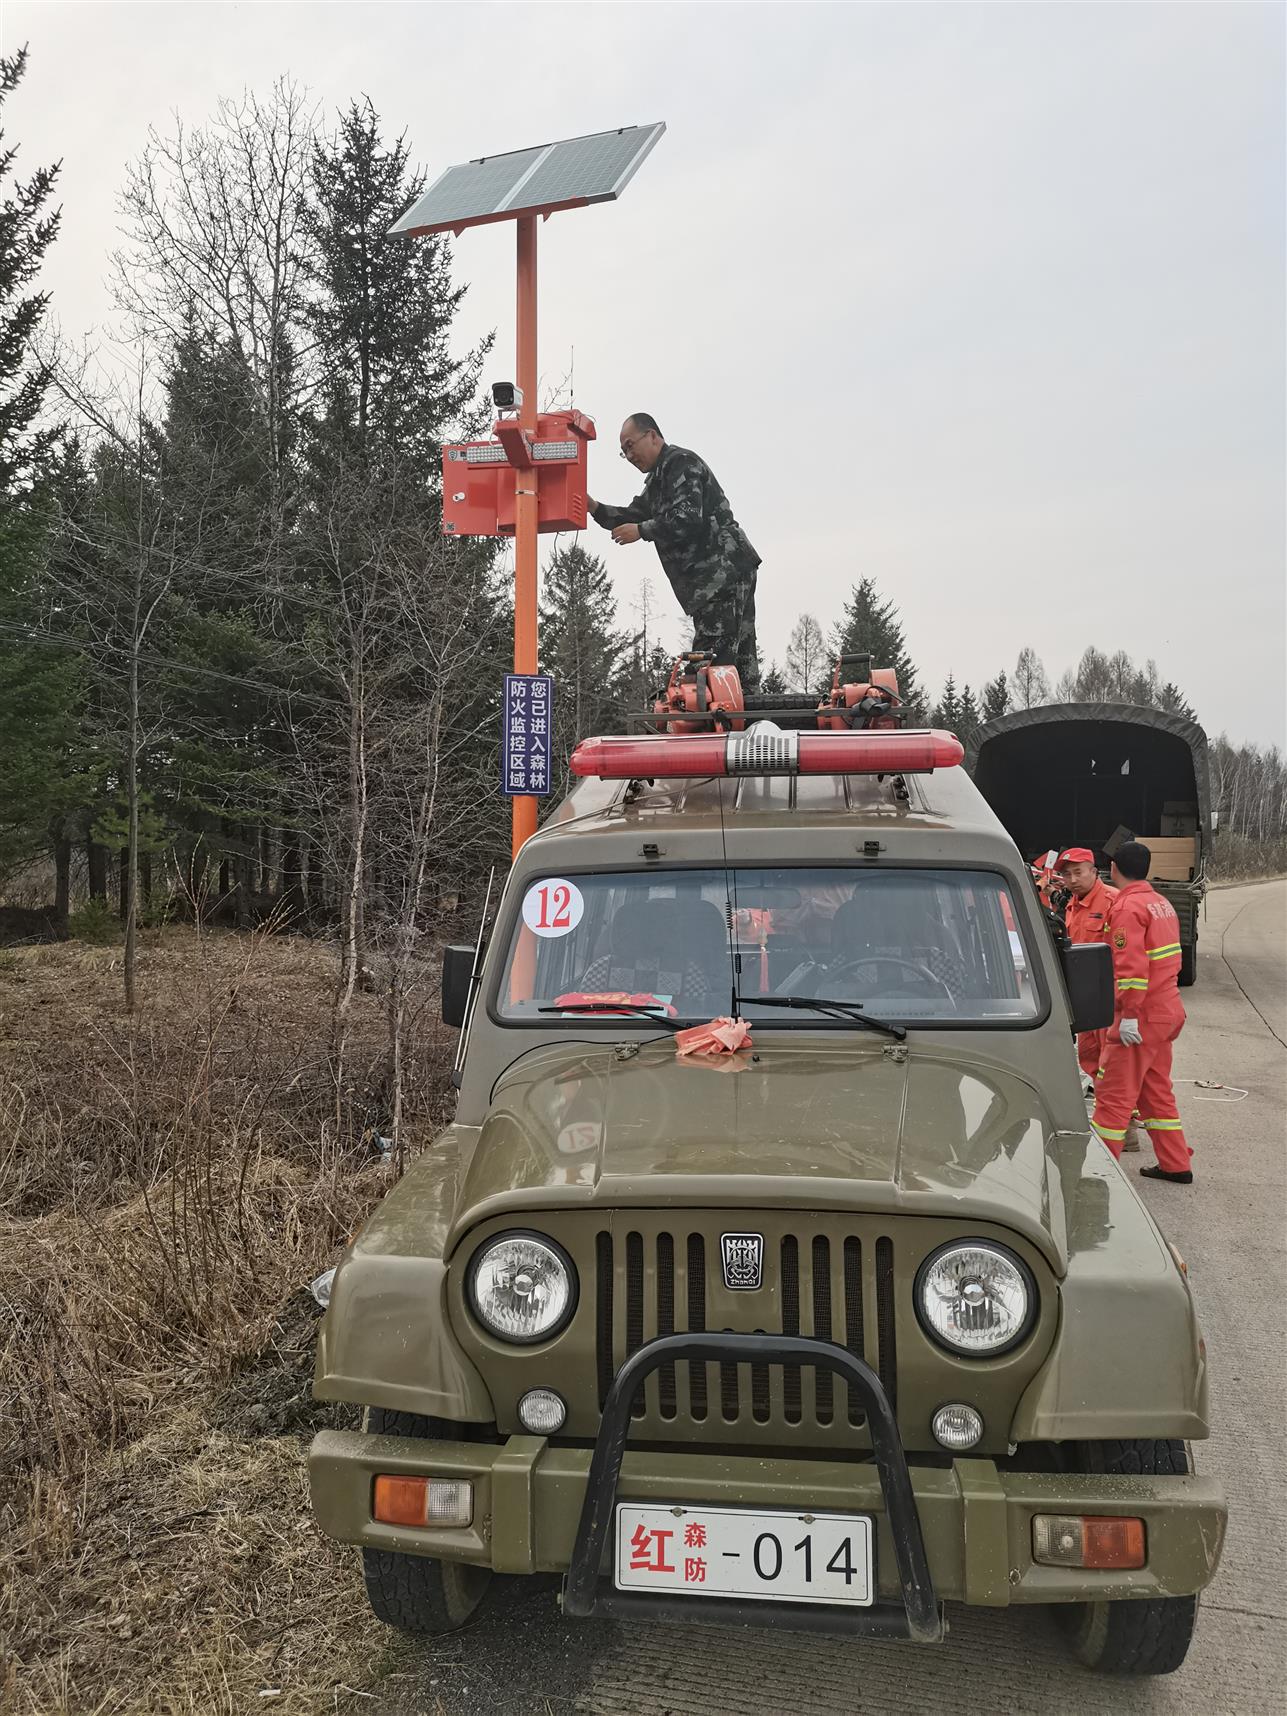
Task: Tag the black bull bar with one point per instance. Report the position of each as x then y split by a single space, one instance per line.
918 1617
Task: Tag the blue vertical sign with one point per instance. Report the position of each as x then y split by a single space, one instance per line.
528 744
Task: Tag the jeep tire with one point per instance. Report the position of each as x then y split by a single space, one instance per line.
416 1593
1143 1635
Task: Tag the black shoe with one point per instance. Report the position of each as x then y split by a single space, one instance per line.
1184 1178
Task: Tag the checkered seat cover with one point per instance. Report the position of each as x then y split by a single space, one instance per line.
883 918
665 947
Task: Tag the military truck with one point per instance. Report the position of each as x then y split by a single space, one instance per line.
821 1330
1095 774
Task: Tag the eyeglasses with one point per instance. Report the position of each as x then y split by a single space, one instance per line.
628 447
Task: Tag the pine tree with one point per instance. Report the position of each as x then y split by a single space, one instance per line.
581 648
39 685
1144 685
1029 684
383 307
40 696
26 232
230 761
772 683
871 626
969 720
996 697
947 711
1173 701
402 628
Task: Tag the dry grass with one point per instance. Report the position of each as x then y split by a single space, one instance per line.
168 1187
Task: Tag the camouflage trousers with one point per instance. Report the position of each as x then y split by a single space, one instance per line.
725 623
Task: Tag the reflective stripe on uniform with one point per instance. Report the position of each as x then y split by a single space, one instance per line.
1108 1132
1164 952
1132 982
1161 1125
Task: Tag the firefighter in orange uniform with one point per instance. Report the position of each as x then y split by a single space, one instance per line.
1144 934
1085 920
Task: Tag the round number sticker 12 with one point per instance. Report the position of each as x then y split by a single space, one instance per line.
553 907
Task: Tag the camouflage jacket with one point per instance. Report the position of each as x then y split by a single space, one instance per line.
685 514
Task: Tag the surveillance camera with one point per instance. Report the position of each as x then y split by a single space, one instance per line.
507 397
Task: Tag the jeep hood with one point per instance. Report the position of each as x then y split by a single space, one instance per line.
840 1125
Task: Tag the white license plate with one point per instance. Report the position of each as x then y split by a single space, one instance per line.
770 1554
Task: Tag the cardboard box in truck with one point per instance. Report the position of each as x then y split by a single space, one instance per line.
1174 857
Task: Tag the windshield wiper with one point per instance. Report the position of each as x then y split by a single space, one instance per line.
607 1008
851 1010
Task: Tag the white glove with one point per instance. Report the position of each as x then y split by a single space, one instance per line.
1130 1033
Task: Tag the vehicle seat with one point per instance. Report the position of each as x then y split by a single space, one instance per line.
887 915
672 947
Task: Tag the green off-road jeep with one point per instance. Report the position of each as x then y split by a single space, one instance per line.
823 1331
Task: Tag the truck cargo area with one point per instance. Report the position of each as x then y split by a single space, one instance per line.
1074 774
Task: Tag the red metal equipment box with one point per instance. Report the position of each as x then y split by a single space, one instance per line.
478 476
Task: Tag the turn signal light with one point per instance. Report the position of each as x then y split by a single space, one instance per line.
766 750
1074 1540
422 1501
401 1501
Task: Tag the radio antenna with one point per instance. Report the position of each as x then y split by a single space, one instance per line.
730 906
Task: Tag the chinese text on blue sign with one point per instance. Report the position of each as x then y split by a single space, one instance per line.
529 725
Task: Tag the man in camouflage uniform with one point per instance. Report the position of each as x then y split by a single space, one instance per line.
703 550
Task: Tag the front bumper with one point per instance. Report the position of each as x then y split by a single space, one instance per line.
976 1520
969 1525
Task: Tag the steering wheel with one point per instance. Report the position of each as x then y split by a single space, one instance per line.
912 965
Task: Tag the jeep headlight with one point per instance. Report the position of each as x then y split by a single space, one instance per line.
522 1287
975 1298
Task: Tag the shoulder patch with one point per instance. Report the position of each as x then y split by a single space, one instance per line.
1119 940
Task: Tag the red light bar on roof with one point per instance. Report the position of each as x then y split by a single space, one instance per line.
765 750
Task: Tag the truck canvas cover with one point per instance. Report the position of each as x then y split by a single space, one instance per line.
1070 773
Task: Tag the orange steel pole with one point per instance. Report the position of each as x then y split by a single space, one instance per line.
525 508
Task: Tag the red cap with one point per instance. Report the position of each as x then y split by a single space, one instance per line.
1075 855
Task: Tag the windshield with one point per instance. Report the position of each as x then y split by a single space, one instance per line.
932 946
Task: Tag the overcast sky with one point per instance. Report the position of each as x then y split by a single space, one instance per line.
984 301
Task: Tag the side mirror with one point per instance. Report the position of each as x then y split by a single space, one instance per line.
1088 978
457 971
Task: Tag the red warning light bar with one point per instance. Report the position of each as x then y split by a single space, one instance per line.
767 751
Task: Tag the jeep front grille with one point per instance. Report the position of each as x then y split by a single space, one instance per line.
651 1281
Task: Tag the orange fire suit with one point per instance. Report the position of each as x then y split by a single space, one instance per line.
1144 934
1086 920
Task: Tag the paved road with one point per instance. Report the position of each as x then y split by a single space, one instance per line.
520 1659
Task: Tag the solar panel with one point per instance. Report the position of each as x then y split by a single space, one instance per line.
594 169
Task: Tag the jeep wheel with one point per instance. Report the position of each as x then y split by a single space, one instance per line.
416 1593
1143 1635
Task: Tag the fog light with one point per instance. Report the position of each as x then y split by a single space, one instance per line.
1071 1540
422 1501
542 1412
957 1427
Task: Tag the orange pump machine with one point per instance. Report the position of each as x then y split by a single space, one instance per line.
478 497
698 687
703 697
861 695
